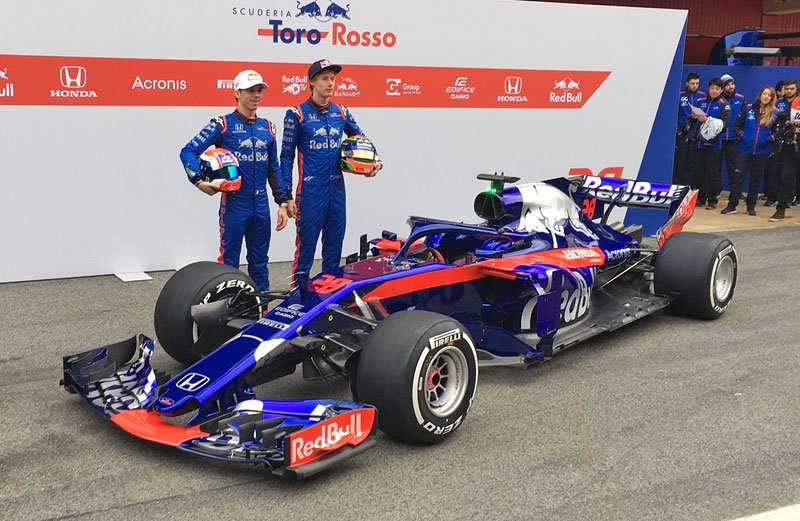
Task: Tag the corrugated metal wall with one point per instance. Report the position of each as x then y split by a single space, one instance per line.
710 19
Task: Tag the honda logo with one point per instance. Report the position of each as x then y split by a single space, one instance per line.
73 76
513 85
192 382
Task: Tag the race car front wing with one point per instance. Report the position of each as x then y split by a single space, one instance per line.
294 438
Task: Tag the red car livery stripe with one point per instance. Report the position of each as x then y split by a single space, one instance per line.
312 443
569 258
150 426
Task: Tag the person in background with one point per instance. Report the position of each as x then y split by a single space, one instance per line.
772 174
705 152
243 214
729 138
754 127
687 99
790 160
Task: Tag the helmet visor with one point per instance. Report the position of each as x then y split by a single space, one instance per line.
229 173
364 155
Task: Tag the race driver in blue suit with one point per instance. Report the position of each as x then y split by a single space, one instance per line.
315 129
243 214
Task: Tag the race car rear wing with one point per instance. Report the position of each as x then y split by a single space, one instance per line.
625 192
596 192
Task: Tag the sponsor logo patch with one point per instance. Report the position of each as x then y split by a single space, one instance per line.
311 443
445 338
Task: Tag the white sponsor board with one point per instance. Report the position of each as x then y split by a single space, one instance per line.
100 189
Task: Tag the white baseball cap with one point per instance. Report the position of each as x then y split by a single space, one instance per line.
247 79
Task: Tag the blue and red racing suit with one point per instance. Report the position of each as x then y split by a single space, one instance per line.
316 132
243 214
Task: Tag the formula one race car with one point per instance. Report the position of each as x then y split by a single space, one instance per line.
408 325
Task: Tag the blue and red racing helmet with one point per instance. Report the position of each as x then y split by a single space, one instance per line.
222 167
358 156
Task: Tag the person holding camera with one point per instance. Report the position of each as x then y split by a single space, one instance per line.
790 160
754 128
772 172
688 98
705 153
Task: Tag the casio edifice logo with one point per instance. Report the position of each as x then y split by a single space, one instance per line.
460 89
73 80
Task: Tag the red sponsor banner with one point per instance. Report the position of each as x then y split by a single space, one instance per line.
65 80
348 428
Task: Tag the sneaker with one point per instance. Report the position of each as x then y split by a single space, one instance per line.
711 206
751 211
796 201
769 202
779 215
728 210
763 197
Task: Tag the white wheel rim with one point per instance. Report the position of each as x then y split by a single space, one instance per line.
723 279
446 381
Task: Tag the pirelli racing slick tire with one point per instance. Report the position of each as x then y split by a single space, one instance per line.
197 283
420 370
698 270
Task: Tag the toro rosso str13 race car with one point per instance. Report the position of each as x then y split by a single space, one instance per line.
407 321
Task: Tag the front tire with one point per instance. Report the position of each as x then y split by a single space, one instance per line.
699 271
420 370
198 283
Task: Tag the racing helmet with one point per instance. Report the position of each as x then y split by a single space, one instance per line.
358 155
222 167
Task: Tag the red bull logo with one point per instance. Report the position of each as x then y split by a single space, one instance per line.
8 90
570 91
349 428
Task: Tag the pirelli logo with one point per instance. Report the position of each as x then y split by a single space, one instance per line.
445 338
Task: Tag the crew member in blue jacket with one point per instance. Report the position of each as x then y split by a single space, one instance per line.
687 99
705 152
315 129
729 138
772 173
243 214
754 126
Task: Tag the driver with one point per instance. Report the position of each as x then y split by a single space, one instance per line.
314 129
243 214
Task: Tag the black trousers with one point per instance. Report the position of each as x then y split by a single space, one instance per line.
730 156
790 166
772 174
680 174
755 164
704 167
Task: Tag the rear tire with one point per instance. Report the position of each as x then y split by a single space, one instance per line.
699 271
420 370
198 283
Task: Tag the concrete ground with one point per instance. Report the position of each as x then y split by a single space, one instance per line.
712 220
666 419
